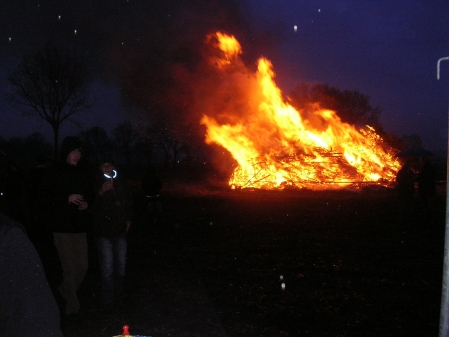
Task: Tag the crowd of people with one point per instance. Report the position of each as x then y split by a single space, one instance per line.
65 201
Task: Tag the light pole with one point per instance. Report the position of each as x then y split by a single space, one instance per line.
444 311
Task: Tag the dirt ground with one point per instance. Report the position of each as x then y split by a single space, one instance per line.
353 264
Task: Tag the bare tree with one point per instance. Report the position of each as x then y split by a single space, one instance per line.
97 143
352 107
133 148
411 141
125 139
171 136
52 85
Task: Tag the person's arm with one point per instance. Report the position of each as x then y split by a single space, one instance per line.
105 187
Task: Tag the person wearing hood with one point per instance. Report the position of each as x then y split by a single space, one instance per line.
112 219
67 195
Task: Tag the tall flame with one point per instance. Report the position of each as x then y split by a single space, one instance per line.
276 146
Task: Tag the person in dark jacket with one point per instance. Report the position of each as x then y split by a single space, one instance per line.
33 184
37 231
427 187
12 189
112 220
405 180
27 305
67 197
152 185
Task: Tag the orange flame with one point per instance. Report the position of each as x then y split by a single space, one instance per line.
276 146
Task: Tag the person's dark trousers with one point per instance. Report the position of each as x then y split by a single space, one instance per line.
112 259
72 251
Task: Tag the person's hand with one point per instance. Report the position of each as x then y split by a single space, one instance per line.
106 187
83 206
76 199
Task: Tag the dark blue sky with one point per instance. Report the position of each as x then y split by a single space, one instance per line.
387 50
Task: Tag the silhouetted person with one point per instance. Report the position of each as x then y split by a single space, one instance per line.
427 185
33 185
27 305
152 186
12 189
37 230
405 180
3 171
112 219
67 195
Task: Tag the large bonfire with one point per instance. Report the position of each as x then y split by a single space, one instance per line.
276 146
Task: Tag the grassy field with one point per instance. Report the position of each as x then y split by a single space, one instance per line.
352 264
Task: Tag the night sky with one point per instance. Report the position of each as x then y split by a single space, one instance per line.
386 49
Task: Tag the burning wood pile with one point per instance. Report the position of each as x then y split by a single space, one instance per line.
276 146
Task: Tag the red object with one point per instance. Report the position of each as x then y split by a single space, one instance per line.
125 330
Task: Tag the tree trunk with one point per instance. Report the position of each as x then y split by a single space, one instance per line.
56 141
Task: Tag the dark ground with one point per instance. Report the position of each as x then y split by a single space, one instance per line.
212 267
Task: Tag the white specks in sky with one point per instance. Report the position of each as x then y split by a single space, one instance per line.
59 17
295 28
75 31
9 39
319 10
